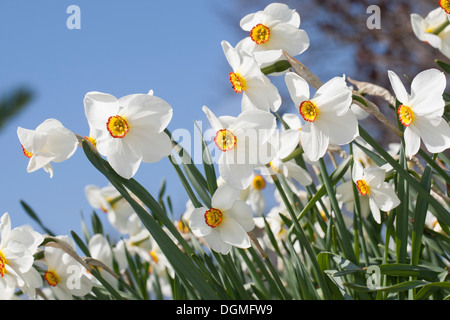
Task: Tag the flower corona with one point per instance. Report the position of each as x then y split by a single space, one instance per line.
260 33
117 126
213 217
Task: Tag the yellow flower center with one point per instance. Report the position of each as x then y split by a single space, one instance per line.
117 126
308 111
260 34
92 141
258 182
182 226
406 115
445 4
237 81
363 187
26 153
225 140
51 277
213 217
3 263
154 256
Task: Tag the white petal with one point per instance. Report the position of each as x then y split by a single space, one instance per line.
289 38
292 120
341 129
398 87
436 138
153 146
412 141
314 141
216 243
238 175
147 111
197 222
298 88
358 171
289 140
385 197
333 97
298 173
242 213
98 107
374 176
427 89
375 210
215 122
281 12
232 55
232 232
122 157
224 197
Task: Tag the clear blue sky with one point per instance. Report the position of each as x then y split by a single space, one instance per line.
123 47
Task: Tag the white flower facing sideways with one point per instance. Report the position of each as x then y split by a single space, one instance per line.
119 211
421 112
65 276
243 143
327 114
247 79
226 223
17 247
370 183
130 129
434 29
49 142
272 30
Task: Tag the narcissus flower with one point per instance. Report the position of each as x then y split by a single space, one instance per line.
327 115
434 29
272 30
130 129
226 223
50 142
243 143
17 247
119 212
64 275
370 183
285 143
421 111
247 78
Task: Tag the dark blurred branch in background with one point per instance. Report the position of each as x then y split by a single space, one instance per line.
13 103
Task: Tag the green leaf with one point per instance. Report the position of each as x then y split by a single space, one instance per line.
444 65
419 217
35 217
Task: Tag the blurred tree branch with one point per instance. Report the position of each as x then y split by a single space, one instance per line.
13 103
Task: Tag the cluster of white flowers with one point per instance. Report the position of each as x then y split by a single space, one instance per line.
131 130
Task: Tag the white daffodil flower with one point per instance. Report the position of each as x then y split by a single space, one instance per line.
370 183
130 129
226 223
120 213
285 143
17 247
272 30
49 142
65 276
434 29
100 249
421 112
327 115
244 144
247 78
